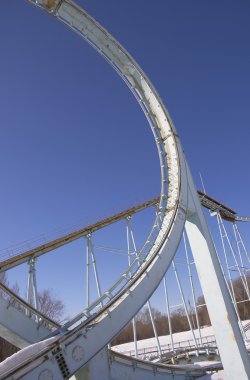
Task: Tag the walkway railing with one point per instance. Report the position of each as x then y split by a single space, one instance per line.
185 345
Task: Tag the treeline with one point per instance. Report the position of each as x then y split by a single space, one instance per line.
179 320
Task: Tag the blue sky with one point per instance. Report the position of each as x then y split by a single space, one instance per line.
75 146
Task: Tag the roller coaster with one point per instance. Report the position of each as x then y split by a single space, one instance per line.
81 346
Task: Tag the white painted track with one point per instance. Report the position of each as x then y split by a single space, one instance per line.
93 334
65 354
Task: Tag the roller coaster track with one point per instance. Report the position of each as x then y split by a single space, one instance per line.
20 255
63 355
17 258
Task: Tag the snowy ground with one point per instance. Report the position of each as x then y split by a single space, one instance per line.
216 376
146 346
185 336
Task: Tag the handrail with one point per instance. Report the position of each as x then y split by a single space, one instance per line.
41 317
68 238
206 201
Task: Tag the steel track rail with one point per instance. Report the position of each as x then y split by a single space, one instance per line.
56 358
96 332
206 201
68 238
17 259
166 368
176 185
225 212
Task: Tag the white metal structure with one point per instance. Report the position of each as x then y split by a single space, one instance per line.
65 354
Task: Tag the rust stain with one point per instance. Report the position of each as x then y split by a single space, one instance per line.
232 335
50 4
44 248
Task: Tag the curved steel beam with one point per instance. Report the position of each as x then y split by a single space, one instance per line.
96 333
62 356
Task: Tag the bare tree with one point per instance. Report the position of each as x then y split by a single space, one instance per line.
3 278
4 281
203 312
240 291
51 306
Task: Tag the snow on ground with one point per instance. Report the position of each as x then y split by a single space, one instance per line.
126 348
151 343
215 376
164 340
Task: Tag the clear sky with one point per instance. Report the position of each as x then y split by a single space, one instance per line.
74 144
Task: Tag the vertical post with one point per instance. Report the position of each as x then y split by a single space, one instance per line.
168 313
98 286
241 241
88 249
154 329
238 245
184 304
238 242
243 278
229 275
32 296
135 337
129 234
192 285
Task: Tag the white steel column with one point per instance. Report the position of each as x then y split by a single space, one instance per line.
129 235
91 254
232 292
184 303
154 329
32 296
240 241
88 250
168 313
222 315
192 286
97 280
239 268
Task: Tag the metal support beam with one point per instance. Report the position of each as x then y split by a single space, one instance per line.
192 286
32 296
222 314
184 303
168 313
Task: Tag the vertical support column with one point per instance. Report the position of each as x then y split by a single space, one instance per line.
32 296
224 234
229 339
232 292
240 241
129 235
168 313
97 280
154 329
184 304
192 286
88 250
